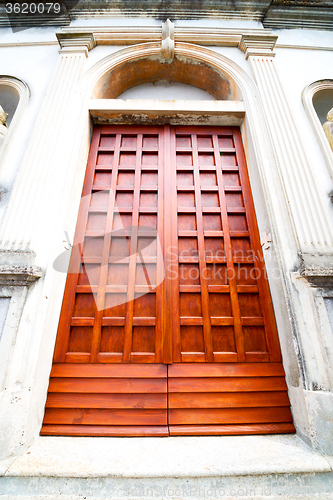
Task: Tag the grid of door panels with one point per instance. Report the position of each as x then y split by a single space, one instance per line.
116 315
222 297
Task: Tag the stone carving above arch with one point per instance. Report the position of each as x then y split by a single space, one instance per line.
308 96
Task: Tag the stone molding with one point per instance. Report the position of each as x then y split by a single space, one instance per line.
115 35
78 42
19 275
277 14
307 98
260 44
318 276
317 271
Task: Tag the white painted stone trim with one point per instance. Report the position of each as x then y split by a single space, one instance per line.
302 47
307 98
178 111
128 35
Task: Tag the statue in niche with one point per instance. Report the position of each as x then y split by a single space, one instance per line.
328 127
3 124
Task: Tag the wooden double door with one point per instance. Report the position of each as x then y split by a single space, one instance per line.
167 325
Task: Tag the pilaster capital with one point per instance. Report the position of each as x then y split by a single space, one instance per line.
76 42
258 44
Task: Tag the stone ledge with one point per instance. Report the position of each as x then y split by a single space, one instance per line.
19 275
317 269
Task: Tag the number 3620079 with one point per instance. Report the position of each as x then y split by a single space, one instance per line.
33 8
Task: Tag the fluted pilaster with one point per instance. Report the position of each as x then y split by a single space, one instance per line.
44 164
308 210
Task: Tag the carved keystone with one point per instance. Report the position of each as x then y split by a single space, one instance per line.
168 40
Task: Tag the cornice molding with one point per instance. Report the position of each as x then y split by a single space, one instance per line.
277 14
110 35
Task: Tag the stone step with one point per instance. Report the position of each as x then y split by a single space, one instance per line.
189 468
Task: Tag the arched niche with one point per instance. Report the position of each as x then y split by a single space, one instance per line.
150 69
9 99
14 95
323 102
318 100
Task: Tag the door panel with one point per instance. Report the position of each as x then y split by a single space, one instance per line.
114 299
221 293
167 325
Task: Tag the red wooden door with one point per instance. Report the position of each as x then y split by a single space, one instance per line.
167 280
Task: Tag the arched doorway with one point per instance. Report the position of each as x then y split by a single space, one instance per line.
167 325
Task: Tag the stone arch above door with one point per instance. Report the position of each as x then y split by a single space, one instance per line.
192 65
